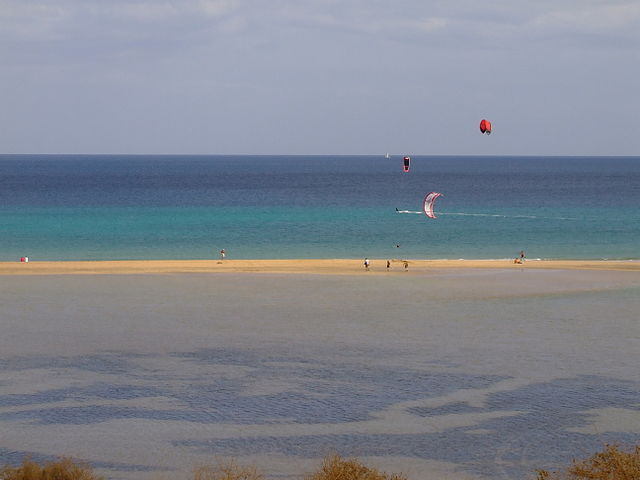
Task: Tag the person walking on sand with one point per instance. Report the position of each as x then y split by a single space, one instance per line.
388 265
366 264
222 254
406 266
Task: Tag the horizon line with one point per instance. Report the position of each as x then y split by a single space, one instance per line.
321 155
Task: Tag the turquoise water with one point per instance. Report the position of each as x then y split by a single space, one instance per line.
187 207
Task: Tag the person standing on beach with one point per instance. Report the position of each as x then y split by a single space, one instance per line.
521 256
222 254
406 266
366 264
388 265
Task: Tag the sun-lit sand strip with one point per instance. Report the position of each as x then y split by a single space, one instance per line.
301 266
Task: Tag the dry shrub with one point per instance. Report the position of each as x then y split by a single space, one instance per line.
610 464
225 471
63 469
336 468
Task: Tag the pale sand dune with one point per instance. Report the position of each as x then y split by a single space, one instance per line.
300 266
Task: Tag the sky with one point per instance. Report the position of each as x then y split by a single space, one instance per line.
320 77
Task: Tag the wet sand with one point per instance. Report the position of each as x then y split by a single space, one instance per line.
301 266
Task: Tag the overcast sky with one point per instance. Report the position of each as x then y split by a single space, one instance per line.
320 76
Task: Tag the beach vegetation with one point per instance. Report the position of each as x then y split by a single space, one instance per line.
612 463
334 467
62 469
226 471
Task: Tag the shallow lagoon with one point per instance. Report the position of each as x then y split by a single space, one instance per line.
451 374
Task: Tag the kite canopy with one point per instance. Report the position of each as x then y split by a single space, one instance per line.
485 126
406 163
429 201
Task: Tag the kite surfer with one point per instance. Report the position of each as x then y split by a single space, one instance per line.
427 204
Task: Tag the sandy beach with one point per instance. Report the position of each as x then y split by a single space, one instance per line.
298 266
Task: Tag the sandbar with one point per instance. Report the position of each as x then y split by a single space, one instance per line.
297 266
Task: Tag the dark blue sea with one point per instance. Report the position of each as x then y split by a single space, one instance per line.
94 207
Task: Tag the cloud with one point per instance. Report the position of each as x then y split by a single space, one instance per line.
157 10
21 21
499 24
593 18
618 20
50 19
73 32
141 9
475 24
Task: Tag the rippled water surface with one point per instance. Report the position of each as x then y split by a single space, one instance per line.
459 375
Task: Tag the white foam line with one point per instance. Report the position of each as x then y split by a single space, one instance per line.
497 215
475 214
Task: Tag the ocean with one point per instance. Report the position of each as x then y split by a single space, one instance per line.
97 207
